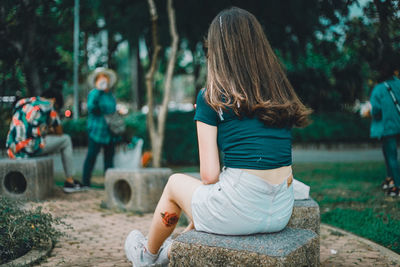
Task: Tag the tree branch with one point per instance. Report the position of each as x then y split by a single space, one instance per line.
150 74
170 68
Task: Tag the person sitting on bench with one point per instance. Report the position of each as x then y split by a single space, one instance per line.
246 111
36 130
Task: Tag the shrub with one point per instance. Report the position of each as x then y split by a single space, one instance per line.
334 127
21 229
77 130
180 143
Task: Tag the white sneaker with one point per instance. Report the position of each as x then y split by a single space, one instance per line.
135 250
162 259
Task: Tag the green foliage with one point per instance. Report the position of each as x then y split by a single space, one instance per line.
24 229
180 145
5 119
350 198
77 130
334 127
29 62
374 38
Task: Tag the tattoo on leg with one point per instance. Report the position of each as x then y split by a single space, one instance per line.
169 219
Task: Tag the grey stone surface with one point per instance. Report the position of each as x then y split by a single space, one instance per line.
305 215
26 179
135 190
290 247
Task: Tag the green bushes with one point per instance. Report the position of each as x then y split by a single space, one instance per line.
180 145
21 230
333 128
77 130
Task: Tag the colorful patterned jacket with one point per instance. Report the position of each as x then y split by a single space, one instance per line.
30 123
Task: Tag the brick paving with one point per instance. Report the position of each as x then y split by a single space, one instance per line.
98 236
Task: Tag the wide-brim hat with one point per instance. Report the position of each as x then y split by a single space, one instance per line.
108 72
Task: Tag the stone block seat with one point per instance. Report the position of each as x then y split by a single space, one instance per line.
26 179
135 190
305 215
296 245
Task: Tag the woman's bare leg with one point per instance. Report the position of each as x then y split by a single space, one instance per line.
177 196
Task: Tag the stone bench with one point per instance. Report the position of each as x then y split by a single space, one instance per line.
305 215
135 190
26 179
296 245
290 247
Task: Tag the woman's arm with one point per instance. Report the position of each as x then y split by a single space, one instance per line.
375 100
208 150
93 102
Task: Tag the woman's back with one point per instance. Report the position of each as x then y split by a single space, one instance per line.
246 142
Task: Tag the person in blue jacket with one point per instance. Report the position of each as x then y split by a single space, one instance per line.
385 125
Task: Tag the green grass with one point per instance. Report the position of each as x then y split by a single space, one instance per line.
350 198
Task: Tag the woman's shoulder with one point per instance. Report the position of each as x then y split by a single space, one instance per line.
201 99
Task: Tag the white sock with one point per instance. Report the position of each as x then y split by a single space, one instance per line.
148 256
163 255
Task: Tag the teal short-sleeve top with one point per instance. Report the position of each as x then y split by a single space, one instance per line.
246 142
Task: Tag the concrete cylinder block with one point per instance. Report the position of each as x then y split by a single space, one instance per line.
135 190
26 179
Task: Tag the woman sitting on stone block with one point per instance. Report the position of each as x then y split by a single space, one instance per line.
247 112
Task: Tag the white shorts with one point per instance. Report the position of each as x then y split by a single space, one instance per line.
241 203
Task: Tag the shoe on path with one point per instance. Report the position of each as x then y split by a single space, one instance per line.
394 192
388 183
74 187
136 251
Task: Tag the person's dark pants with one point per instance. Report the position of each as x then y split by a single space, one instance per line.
93 150
389 147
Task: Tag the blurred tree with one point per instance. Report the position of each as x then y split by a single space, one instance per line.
375 38
28 32
329 66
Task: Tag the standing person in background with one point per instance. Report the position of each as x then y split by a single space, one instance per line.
100 102
385 125
36 130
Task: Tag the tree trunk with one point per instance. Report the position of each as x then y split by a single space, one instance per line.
29 60
149 84
157 131
31 72
141 82
383 9
134 74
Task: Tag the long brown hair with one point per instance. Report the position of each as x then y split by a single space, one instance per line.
245 75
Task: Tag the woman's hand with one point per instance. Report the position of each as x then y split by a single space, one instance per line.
208 151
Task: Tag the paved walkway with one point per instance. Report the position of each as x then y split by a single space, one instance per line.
98 235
